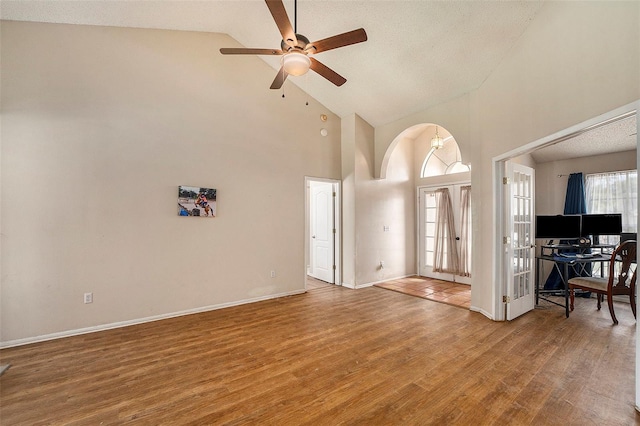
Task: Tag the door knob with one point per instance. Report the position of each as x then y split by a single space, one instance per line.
313 236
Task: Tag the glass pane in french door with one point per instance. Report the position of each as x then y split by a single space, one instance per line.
521 204
430 227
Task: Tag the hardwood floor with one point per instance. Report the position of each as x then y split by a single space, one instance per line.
333 356
314 283
432 289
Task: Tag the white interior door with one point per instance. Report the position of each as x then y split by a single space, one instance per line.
427 229
519 243
321 227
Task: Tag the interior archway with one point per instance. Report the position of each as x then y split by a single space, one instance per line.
409 133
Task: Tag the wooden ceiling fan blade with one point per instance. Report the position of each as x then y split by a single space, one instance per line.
327 72
249 51
279 80
279 13
340 40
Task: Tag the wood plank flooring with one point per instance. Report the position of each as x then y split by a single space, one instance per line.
333 356
314 283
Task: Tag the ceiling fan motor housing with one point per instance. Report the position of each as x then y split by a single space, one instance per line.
288 45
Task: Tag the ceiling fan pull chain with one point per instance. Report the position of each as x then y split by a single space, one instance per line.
283 82
306 87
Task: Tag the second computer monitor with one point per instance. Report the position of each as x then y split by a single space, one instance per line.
601 224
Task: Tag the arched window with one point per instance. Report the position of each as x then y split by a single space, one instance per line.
444 161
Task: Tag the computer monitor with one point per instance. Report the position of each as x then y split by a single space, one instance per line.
601 224
565 227
625 236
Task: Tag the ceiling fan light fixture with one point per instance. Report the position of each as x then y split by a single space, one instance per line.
296 63
437 142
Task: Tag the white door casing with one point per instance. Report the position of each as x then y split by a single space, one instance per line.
519 242
322 234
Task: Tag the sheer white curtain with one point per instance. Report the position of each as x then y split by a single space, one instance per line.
445 254
615 192
465 231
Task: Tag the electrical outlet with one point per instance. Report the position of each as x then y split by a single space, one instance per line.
273 274
381 264
88 298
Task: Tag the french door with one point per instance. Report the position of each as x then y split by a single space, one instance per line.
428 206
519 243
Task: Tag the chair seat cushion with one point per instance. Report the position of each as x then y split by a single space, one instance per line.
593 283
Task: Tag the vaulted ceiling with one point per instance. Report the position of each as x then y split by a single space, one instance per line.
418 53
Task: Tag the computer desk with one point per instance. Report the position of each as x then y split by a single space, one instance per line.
562 262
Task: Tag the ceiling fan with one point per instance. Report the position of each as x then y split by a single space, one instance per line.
296 50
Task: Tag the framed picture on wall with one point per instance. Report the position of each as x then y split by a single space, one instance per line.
196 201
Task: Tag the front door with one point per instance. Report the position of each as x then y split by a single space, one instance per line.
519 243
427 230
321 207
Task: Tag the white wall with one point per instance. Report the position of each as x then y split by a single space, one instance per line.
99 127
386 203
370 205
348 163
525 160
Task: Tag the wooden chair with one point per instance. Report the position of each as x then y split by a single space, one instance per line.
619 281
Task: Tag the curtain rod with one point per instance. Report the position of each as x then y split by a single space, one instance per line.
600 173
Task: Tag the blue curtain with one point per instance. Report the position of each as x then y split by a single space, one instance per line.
574 203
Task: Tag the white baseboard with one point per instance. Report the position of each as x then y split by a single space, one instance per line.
383 281
103 327
358 286
483 312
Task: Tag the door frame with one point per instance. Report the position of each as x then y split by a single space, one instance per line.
336 224
499 288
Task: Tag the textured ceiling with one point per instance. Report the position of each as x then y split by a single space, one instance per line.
418 53
618 136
